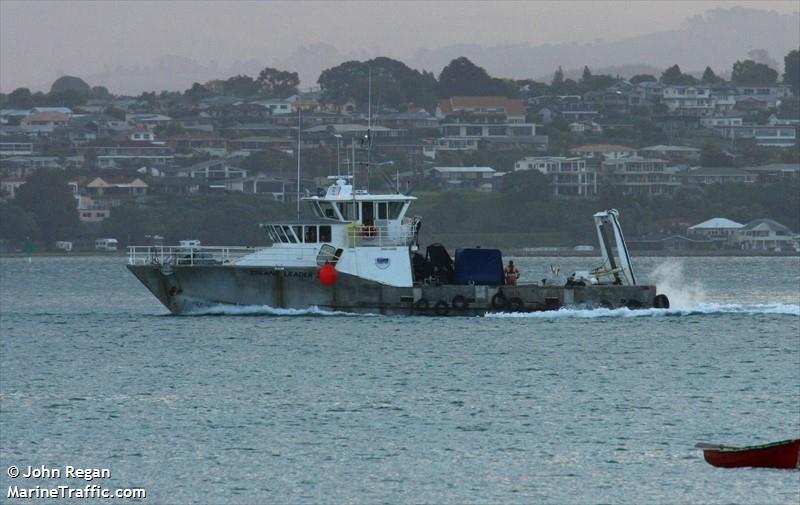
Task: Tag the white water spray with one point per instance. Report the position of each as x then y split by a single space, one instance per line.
670 279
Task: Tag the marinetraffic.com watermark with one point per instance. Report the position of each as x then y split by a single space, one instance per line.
24 483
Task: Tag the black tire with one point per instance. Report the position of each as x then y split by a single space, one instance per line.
661 302
516 305
459 302
442 308
421 306
499 301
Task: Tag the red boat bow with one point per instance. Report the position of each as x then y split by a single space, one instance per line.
784 454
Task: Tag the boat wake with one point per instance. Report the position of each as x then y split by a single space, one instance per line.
263 310
699 309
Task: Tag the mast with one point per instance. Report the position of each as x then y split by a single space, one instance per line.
297 102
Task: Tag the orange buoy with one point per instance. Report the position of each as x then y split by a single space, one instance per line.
327 274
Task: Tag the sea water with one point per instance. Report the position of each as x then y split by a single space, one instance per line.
262 405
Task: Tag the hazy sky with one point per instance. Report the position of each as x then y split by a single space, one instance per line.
40 40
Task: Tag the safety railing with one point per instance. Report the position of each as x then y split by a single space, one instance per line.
185 256
379 236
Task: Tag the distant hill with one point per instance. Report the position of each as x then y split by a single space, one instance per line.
717 38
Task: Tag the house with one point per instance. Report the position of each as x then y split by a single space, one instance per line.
602 152
113 191
584 127
408 120
770 96
20 147
691 101
43 123
783 120
212 170
719 229
568 176
199 142
717 121
636 175
719 175
432 146
147 119
574 108
766 235
677 154
464 178
140 134
479 117
91 211
9 187
248 145
23 166
283 190
670 243
276 107
119 154
770 136
775 172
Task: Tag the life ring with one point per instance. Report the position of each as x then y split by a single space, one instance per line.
369 232
421 305
459 302
442 308
499 301
515 305
661 301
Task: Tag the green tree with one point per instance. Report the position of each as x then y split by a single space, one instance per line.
46 196
713 156
461 77
709 77
20 98
100 93
558 78
750 72
69 83
196 93
791 71
16 224
674 77
274 83
242 86
393 84
531 183
587 75
636 79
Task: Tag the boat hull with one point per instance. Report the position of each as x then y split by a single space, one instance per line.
185 289
785 454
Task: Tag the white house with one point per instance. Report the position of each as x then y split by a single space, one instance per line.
766 235
464 178
719 229
568 176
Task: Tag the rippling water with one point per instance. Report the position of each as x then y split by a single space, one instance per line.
257 405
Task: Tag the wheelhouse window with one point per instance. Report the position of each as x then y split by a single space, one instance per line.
310 234
325 233
348 210
383 211
289 235
326 210
298 231
394 209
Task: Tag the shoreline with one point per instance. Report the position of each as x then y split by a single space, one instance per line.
514 252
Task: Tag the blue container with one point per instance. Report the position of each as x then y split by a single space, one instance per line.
479 266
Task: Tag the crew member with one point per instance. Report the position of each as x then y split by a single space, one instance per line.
512 274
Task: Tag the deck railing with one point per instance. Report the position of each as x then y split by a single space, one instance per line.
379 236
185 256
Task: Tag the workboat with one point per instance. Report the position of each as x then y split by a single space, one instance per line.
361 253
784 454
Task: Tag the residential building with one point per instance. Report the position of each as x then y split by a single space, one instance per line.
770 136
118 154
719 229
16 148
775 172
113 191
199 142
212 170
483 117
43 123
766 235
603 152
568 176
771 96
688 100
464 178
676 154
718 121
636 175
276 107
9 187
719 175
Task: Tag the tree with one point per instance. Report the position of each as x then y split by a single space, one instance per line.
20 98
636 79
47 197
532 183
68 83
674 77
462 77
393 84
709 77
242 86
558 78
274 83
197 92
712 156
587 75
750 72
16 224
100 93
791 71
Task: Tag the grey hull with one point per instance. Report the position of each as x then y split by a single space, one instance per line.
183 289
